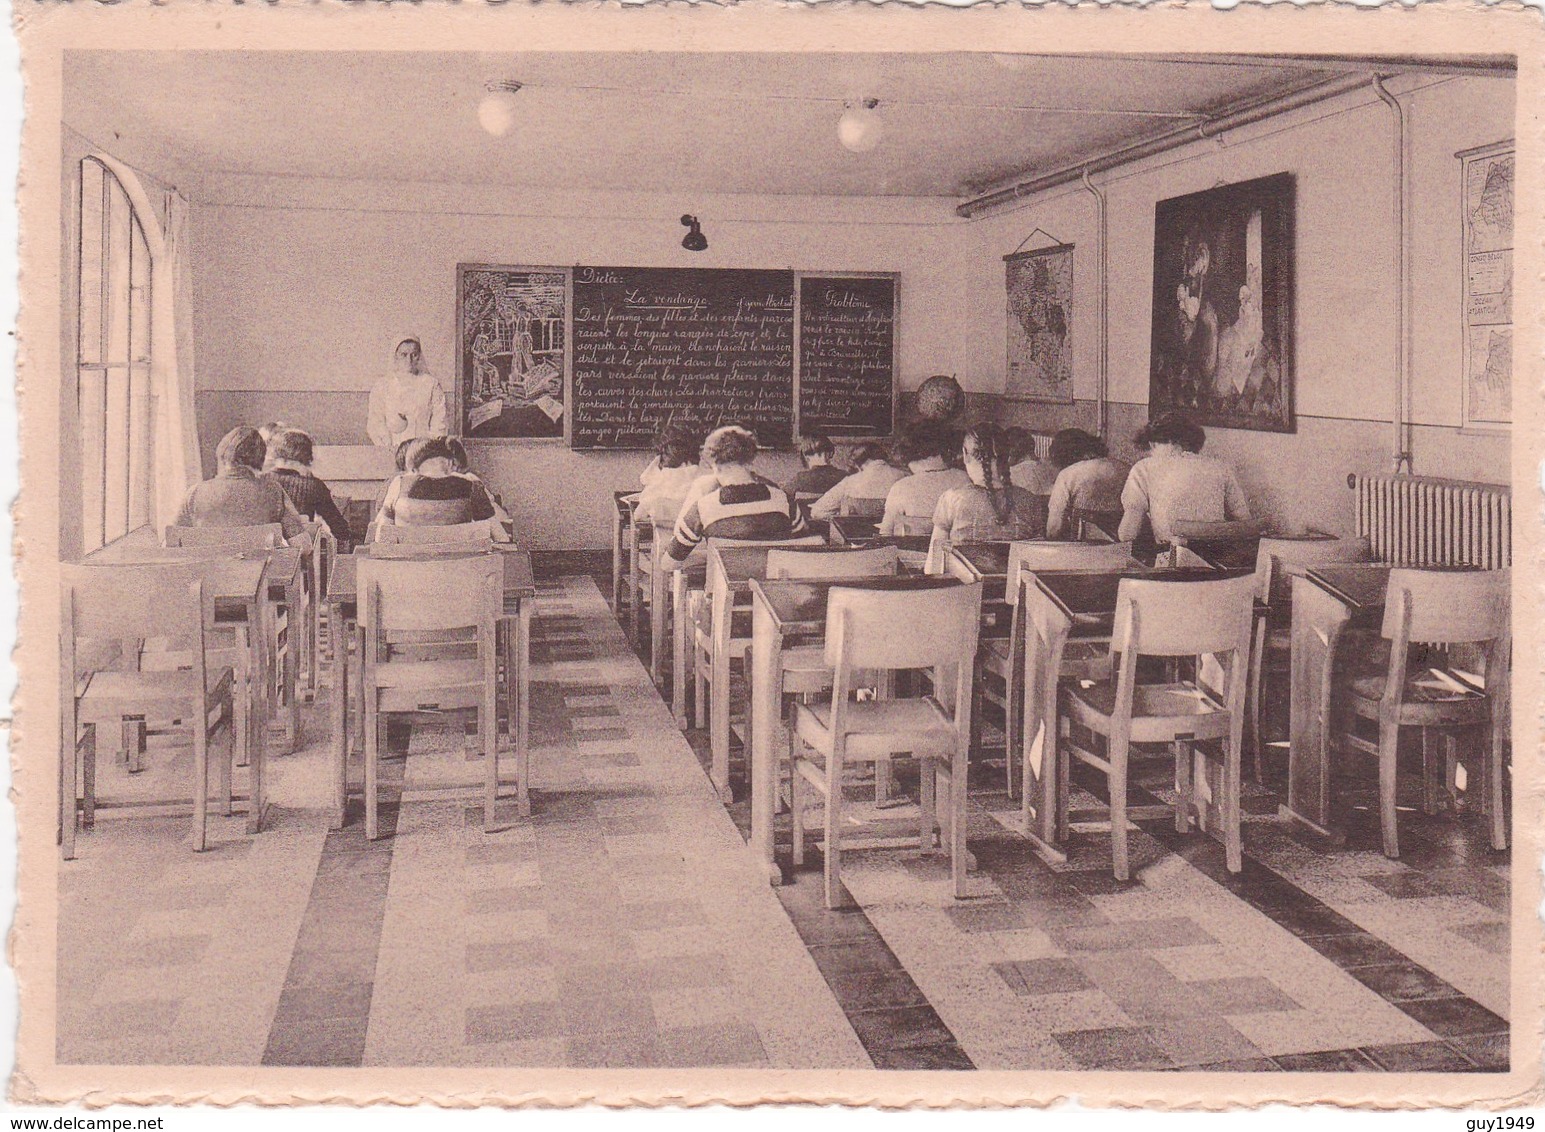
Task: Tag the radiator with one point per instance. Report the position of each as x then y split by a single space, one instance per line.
1422 521
1040 444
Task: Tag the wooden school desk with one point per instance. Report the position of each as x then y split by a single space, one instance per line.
1327 600
238 584
784 614
343 603
1062 608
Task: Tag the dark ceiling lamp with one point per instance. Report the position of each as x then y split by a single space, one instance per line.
694 240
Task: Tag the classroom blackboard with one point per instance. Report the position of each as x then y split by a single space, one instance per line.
847 354
694 346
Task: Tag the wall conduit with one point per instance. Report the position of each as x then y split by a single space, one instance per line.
1401 451
1102 394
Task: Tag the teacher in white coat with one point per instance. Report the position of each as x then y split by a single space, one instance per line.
406 402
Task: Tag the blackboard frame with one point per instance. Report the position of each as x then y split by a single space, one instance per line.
895 280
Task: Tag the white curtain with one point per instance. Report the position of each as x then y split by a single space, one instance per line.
171 367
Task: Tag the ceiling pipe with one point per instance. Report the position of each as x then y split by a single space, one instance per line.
1173 139
1401 454
1103 386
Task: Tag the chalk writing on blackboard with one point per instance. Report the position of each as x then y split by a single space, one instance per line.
847 349
691 346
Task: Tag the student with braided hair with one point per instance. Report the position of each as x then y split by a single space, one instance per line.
990 507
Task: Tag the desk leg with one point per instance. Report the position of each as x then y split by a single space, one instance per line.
340 717
659 621
617 558
295 632
765 710
683 646
1318 622
523 708
719 699
1040 783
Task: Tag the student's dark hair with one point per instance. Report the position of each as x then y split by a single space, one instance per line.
1074 445
869 450
985 443
458 452
432 448
242 447
292 444
816 444
1017 443
1172 428
952 442
402 452
921 441
417 345
730 444
677 445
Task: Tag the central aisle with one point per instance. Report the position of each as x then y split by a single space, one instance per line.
622 925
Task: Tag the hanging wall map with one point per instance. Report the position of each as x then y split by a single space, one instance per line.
1040 324
510 346
1488 286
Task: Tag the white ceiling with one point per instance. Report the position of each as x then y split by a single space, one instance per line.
654 122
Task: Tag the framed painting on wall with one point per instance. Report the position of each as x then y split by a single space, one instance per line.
511 351
1039 284
1222 347
1487 219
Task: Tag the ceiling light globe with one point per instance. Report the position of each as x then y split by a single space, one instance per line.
860 128
496 113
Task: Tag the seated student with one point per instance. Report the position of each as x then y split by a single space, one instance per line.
1035 476
667 492
289 462
990 506
655 465
916 496
462 465
873 480
239 496
820 475
1176 483
740 504
1088 487
431 494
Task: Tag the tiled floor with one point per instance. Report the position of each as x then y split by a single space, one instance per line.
624 925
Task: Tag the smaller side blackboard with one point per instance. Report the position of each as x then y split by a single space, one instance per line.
847 354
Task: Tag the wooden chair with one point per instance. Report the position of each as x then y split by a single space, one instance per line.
109 613
264 536
1001 661
890 630
231 645
484 530
711 646
1169 619
1450 610
862 508
914 525
1278 562
406 606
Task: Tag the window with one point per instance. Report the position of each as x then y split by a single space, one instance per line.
113 363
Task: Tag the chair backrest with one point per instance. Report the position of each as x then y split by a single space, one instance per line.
862 508
480 531
1102 557
869 562
1200 530
803 540
903 628
1155 617
265 536
1449 606
914 525
124 601
1280 559
429 595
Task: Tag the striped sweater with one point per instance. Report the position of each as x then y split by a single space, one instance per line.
757 510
